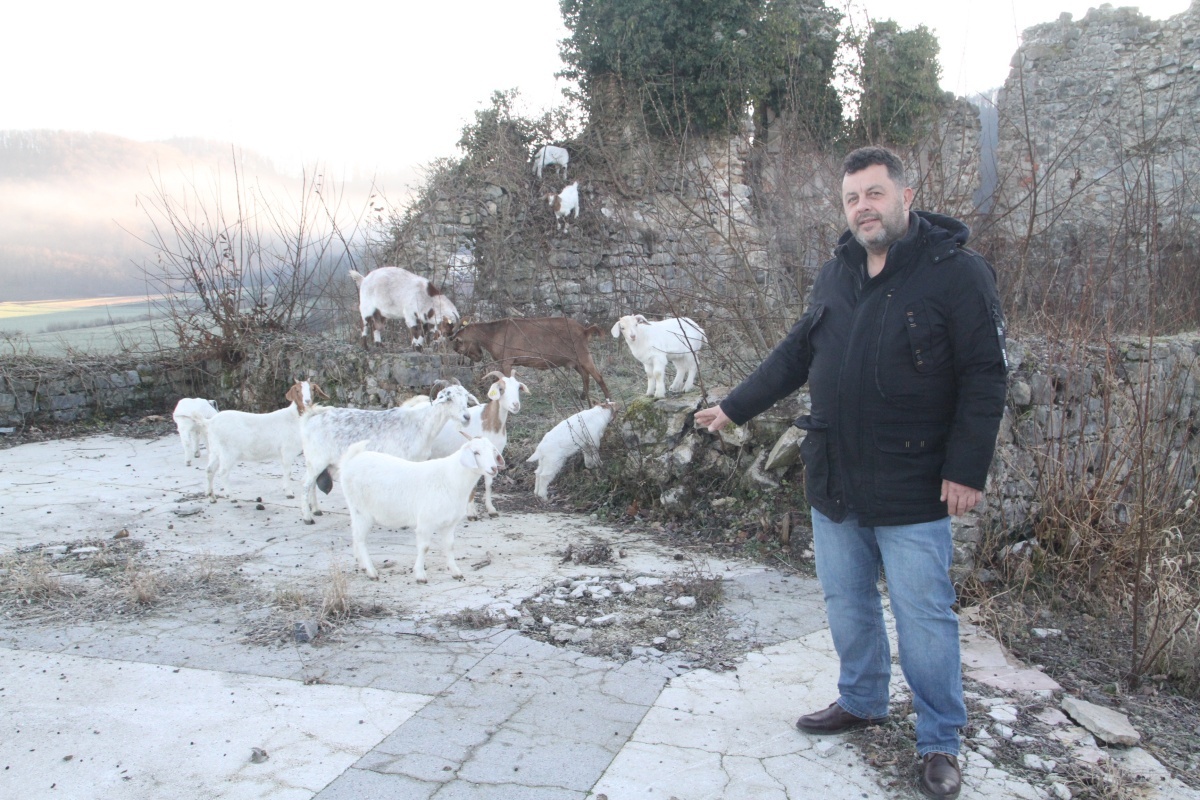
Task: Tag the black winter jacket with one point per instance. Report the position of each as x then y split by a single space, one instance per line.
906 373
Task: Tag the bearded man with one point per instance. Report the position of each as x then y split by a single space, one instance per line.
902 347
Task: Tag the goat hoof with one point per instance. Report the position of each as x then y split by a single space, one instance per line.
318 513
493 514
310 522
460 577
422 580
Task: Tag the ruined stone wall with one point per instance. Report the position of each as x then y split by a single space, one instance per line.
41 391
1098 116
1072 435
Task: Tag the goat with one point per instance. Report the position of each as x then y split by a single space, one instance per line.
677 340
551 154
189 434
395 293
326 433
488 421
425 495
235 436
565 203
536 342
580 432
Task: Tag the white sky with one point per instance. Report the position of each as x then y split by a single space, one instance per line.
362 86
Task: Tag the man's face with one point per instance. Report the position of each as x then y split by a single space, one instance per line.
876 208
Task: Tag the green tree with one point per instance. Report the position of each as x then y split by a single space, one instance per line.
699 65
797 52
898 75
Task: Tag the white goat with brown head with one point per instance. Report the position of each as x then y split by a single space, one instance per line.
488 421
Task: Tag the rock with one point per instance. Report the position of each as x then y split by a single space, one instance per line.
306 630
685 602
1003 731
1003 713
258 755
626 588
1107 725
1038 763
786 450
1046 633
1060 791
561 632
606 620
674 634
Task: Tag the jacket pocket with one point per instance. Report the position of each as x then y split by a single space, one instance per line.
928 340
908 462
814 452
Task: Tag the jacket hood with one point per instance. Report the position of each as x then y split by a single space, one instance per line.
939 232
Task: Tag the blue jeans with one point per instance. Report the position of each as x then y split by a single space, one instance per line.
916 560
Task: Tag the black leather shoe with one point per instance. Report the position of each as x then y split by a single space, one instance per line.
940 776
834 719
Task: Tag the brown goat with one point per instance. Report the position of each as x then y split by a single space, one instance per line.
536 342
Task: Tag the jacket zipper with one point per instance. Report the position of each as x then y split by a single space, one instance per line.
887 299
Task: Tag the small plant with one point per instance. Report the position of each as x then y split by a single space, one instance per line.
143 586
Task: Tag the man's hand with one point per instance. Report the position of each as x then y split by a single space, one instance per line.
712 419
959 499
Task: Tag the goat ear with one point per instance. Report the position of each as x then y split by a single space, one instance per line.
317 390
523 387
641 320
494 392
616 329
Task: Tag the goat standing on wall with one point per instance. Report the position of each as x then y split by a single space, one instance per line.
564 204
677 341
551 154
535 342
395 293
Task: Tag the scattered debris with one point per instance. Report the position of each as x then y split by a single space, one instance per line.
258 755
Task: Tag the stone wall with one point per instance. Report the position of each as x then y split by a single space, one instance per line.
1072 435
1097 143
44 391
1113 105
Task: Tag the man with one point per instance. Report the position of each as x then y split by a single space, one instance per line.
902 347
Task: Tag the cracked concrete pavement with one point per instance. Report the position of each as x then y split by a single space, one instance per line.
175 702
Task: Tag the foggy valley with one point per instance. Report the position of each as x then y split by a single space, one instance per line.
72 210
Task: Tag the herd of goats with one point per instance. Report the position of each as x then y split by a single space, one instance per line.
417 465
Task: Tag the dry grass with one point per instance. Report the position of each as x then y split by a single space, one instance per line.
325 609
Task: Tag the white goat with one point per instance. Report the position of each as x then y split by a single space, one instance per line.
551 154
565 203
395 293
189 433
677 340
235 436
423 495
326 434
488 421
580 432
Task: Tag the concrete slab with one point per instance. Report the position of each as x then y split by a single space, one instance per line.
170 701
80 727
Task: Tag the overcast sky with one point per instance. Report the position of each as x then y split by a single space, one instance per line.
364 87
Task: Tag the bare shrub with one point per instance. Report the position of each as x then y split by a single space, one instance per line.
234 262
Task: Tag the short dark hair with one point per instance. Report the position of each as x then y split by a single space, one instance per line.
864 157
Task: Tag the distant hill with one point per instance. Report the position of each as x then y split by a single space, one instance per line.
69 217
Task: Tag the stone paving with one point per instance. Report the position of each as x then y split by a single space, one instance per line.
178 703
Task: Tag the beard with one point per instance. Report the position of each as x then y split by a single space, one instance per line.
893 224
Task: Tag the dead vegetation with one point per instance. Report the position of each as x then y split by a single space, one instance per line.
102 579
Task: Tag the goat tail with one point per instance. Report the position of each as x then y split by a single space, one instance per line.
535 458
358 277
200 421
592 330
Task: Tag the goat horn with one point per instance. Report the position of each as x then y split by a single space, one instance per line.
499 376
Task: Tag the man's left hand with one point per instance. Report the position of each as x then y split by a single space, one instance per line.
959 499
